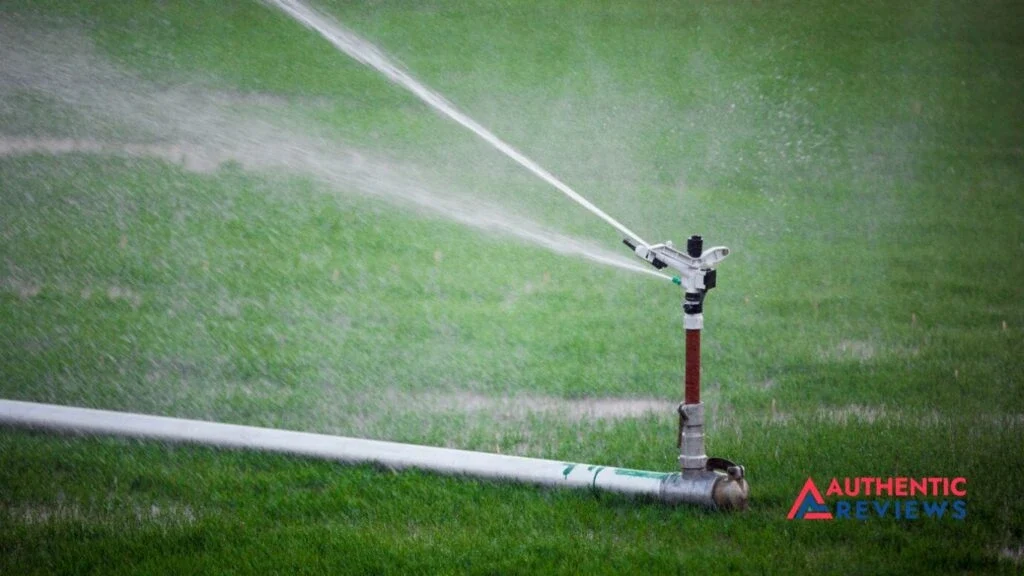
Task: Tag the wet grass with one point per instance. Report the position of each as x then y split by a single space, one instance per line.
110 506
864 167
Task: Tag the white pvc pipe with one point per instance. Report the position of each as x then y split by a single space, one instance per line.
704 488
390 454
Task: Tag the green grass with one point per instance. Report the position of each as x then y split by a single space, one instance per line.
863 162
217 511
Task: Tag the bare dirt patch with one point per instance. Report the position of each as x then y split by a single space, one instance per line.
25 289
863 351
857 349
1013 554
110 513
524 425
521 407
190 157
865 414
466 416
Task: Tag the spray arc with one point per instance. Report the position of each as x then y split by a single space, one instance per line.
710 482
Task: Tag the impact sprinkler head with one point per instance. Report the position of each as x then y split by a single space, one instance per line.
693 266
716 479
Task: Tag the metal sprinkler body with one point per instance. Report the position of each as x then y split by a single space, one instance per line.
716 481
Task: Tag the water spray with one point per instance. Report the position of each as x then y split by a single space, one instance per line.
711 482
366 53
701 476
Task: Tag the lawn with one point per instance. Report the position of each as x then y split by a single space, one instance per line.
206 211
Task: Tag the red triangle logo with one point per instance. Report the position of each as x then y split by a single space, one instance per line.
809 505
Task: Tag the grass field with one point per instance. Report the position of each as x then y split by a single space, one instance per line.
208 212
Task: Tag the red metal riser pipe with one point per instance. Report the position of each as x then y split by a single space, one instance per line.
692 381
